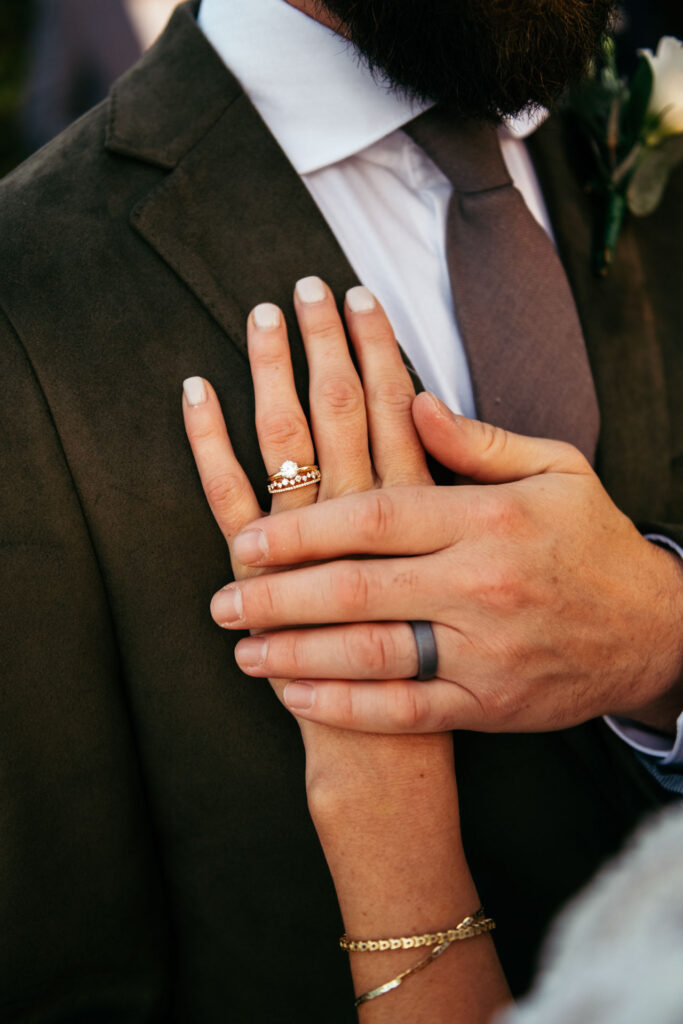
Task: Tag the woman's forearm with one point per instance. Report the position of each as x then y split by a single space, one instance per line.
385 807
386 812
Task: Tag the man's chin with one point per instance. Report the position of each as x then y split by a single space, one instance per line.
483 61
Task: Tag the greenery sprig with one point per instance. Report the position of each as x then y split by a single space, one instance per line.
635 130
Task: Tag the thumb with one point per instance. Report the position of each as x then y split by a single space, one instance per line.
485 453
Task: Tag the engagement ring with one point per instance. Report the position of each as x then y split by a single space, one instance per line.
290 477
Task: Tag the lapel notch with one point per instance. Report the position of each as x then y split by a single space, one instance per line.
231 217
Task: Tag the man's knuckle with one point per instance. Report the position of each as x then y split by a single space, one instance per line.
295 650
501 704
502 588
495 588
268 596
373 649
568 455
504 514
301 539
353 589
372 519
341 395
385 650
493 440
259 602
406 710
351 706
512 655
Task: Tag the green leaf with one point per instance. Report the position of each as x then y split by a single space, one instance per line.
650 177
635 110
609 56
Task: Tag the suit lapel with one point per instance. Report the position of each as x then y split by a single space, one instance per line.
237 225
232 218
619 328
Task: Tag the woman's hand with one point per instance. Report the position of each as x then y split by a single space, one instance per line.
347 418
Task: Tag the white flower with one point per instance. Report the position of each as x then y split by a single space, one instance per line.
666 99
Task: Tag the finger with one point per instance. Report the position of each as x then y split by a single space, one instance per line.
345 591
397 452
337 402
398 706
489 454
281 426
380 522
374 650
226 486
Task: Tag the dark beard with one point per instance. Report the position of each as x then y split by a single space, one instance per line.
485 58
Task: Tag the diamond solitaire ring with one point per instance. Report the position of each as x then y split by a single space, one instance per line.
290 477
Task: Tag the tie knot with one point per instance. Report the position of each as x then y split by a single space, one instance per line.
467 152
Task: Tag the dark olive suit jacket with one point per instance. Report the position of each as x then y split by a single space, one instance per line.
156 858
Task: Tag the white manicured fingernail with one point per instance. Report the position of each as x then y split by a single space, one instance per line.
195 390
267 316
360 299
311 289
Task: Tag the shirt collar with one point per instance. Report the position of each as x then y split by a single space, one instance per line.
309 85
315 94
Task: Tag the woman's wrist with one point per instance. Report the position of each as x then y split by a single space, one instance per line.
352 766
390 830
375 792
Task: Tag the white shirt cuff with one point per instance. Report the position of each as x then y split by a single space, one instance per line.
667 751
657 538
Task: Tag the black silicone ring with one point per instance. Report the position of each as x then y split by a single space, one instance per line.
427 654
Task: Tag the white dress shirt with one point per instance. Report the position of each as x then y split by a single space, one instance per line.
383 198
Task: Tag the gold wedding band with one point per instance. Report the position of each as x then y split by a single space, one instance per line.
290 477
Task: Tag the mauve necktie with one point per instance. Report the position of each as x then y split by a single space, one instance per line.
513 305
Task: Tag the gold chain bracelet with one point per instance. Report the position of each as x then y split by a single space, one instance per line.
475 924
389 986
478 927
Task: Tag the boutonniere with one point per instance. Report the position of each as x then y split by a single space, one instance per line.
635 130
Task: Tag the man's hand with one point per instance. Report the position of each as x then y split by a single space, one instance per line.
549 608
